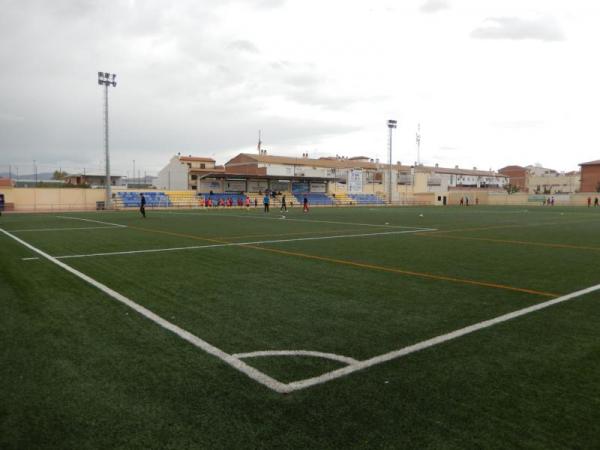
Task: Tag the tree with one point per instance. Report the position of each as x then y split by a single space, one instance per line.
511 188
59 175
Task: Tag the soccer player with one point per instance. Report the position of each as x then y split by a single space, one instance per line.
143 205
305 208
283 204
266 201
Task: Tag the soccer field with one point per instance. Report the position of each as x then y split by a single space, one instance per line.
414 327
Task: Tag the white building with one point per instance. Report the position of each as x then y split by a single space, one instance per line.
186 172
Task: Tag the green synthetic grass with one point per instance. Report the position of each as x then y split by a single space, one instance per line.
80 370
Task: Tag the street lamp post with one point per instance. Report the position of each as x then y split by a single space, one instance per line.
106 80
391 125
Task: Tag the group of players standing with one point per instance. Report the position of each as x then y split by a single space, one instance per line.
267 202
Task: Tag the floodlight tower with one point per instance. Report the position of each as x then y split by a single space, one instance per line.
391 125
106 80
418 144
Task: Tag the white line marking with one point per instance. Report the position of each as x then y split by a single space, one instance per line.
234 362
332 356
272 383
23 230
239 244
94 221
252 216
302 384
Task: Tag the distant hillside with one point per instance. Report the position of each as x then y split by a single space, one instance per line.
42 176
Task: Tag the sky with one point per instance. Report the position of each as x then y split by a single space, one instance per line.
491 82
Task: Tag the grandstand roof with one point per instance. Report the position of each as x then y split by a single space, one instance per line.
590 163
458 171
195 158
321 162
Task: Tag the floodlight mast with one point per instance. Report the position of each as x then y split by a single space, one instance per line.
391 125
107 79
419 144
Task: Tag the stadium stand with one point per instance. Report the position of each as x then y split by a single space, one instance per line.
153 199
366 199
183 199
314 199
216 197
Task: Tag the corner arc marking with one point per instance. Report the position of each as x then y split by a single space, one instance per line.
331 356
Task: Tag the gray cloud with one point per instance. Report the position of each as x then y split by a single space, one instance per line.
183 83
244 46
433 6
519 124
542 29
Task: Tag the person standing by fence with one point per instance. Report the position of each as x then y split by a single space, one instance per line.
143 205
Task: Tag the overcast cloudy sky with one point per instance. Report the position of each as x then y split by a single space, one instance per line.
492 82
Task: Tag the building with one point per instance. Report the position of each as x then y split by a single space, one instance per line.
92 180
6 182
517 176
326 174
188 173
547 181
590 176
535 179
442 179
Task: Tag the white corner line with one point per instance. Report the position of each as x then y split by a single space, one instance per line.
329 376
231 360
93 221
332 356
236 244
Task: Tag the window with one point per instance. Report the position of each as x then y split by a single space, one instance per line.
203 166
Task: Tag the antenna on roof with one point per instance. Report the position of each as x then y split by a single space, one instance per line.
419 144
259 144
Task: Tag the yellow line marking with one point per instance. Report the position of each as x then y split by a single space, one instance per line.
512 241
498 227
364 265
407 272
220 240
245 236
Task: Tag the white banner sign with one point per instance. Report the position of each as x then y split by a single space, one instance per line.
355 181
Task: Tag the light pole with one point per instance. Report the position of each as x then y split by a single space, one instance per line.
106 80
391 125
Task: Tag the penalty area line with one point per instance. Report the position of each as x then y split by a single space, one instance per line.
231 360
233 244
92 221
291 219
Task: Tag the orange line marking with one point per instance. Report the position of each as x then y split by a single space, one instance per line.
364 265
512 241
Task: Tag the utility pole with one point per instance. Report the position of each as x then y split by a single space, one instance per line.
391 125
259 143
419 145
106 80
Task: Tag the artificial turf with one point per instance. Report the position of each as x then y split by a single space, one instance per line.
80 370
